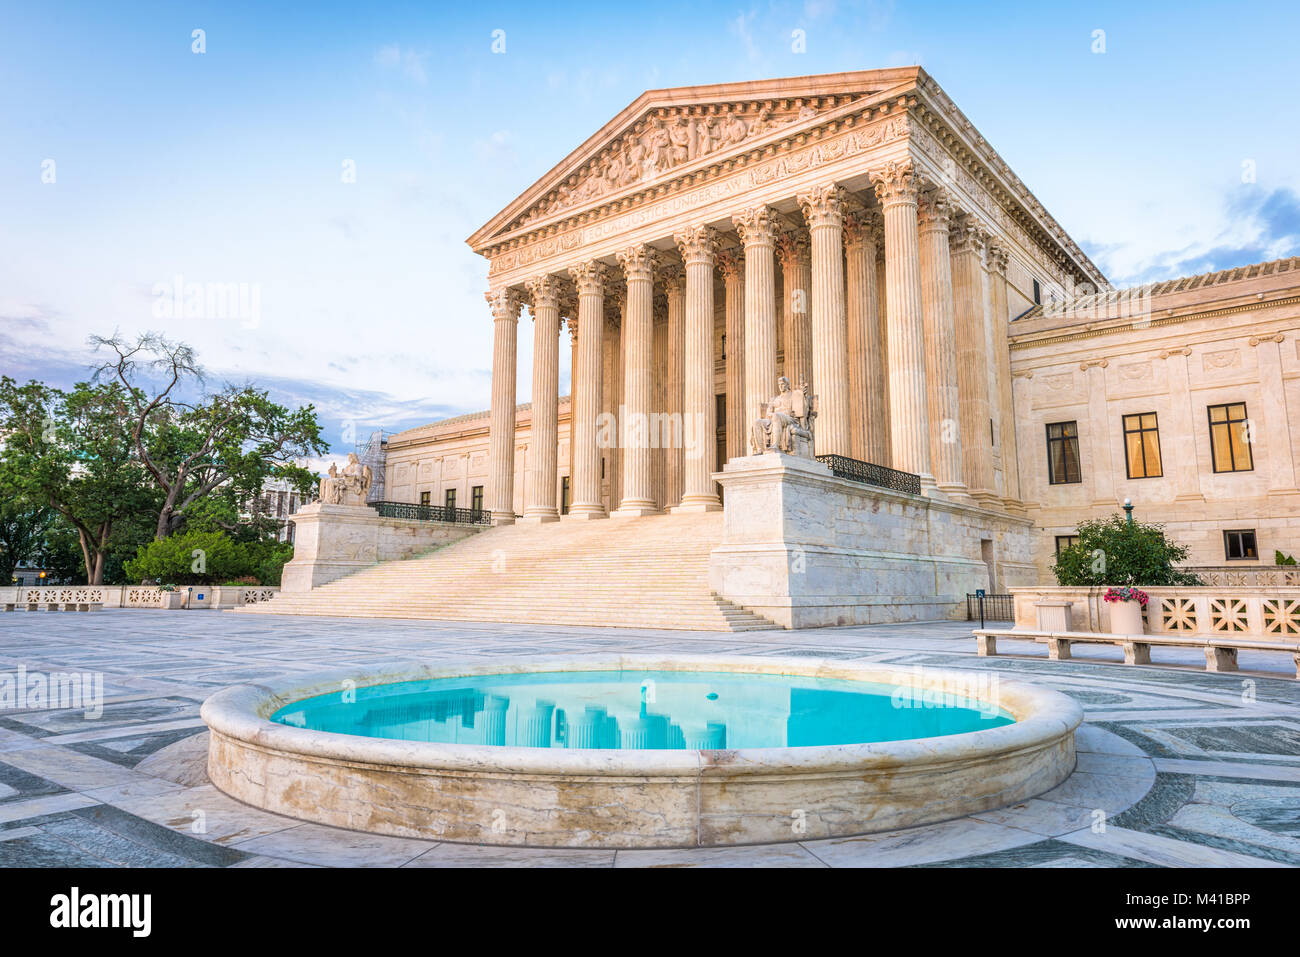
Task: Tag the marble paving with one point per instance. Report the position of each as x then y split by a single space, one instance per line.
1176 767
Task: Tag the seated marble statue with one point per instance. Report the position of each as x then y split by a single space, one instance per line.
787 423
349 487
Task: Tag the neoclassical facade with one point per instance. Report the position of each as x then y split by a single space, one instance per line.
854 232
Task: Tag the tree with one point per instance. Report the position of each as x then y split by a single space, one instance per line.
226 443
22 528
73 452
1114 551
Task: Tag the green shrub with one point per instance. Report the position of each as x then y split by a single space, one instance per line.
1280 559
1114 552
189 558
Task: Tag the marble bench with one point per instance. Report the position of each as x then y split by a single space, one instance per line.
54 605
1220 651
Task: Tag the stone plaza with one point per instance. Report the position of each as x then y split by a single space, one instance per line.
1180 768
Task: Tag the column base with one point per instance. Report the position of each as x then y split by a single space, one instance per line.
987 499
581 513
503 518
957 491
636 510
540 516
693 504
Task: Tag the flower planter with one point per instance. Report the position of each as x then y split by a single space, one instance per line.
1126 617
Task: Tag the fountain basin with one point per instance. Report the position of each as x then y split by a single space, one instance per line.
594 795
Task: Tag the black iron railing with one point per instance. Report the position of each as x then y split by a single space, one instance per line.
865 472
433 513
995 608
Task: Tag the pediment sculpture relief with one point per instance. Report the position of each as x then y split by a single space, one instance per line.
787 422
660 143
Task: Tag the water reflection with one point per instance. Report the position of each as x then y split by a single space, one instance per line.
611 710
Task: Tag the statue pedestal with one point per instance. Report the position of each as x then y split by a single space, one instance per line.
806 549
332 541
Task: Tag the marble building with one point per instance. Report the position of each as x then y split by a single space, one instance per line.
856 233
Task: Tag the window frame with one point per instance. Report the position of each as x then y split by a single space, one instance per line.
449 498
1228 424
426 499
1074 540
1227 556
1047 431
1140 431
476 498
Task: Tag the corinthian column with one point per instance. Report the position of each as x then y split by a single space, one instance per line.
540 504
935 219
1000 392
638 386
909 420
505 305
966 242
796 279
757 230
584 452
866 366
732 268
699 494
675 289
823 207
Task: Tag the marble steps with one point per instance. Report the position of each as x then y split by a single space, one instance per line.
644 573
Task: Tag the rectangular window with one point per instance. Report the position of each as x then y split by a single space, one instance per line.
1229 444
1142 446
1065 541
476 498
1239 544
564 495
424 498
449 499
1063 453
1038 292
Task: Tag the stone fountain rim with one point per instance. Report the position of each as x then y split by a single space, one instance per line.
242 713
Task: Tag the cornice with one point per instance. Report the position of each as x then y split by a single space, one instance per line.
1095 330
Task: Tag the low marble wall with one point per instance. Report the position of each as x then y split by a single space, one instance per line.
1250 612
607 798
143 596
331 541
806 549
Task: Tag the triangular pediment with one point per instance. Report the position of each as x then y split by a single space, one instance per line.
667 133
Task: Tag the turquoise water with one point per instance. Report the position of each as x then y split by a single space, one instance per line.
640 710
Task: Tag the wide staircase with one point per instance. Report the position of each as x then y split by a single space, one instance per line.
633 573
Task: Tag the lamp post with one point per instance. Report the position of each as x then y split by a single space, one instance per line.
1128 509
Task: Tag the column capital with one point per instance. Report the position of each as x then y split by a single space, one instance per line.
935 211
757 226
638 261
822 205
860 227
895 182
997 256
590 277
793 248
545 291
1256 341
505 303
673 278
731 265
697 244
968 234
571 323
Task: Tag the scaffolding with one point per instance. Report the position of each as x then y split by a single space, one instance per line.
374 453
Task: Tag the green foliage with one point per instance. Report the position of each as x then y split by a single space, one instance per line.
1280 559
72 452
207 557
1114 552
223 445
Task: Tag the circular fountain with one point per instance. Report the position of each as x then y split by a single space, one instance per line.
638 750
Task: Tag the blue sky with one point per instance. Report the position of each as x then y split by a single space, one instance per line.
227 166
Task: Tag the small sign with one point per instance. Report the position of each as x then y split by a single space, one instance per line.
201 595
979 593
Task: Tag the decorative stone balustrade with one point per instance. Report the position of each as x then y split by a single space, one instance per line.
1260 613
139 596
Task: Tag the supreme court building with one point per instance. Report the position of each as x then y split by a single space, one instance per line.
855 233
